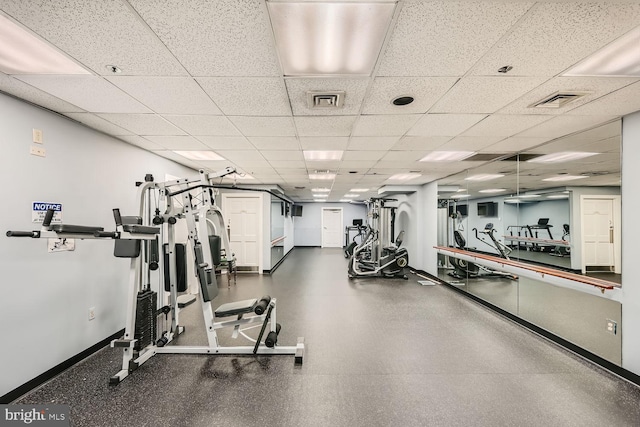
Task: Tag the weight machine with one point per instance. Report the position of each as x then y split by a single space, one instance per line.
140 238
378 254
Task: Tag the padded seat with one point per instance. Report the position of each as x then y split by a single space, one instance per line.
75 229
235 308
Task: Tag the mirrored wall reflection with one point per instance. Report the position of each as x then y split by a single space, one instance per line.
553 205
279 209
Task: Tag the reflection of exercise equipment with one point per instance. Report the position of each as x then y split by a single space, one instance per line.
378 254
543 224
463 269
563 251
350 244
502 249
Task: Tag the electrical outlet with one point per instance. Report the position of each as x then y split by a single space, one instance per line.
37 136
38 151
92 313
612 326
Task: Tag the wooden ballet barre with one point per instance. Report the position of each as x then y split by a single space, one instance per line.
547 242
602 285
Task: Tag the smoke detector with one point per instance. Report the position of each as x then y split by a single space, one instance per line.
558 99
321 99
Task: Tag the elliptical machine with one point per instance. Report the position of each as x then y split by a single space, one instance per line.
379 254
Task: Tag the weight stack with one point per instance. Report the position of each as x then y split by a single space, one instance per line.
146 320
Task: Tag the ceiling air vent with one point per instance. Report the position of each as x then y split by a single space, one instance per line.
558 99
523 157
320 99
483 157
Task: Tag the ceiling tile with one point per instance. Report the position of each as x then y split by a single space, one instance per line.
143 124
357 164
444 124
355 90
250 163
97 34
553 36
514 144
288 167
418 143
248 96
168 154
204 125
384 125
325 126
426 91
469 143
324 142
91 93
595 86
98 123
363 155
498 125
283 155
233 38
456 33
141 142
241 156
621 102
313 165
178 142
264 126
29 93
167 95
485 94
226 142
275 142
403 156
372 142
564 125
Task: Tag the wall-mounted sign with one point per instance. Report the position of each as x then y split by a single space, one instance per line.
39 210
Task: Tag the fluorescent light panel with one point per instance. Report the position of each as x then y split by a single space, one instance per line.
319 38
22 52
321 195
322 155
200 155
565 156
322 176
404 176
558 196
321 190
492 190
351 195
358 190
484 177
460 196
618 59
565 178
447 156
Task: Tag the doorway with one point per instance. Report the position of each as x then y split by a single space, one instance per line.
243 216
332 227
601 235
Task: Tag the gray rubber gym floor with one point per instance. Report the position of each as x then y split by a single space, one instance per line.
379 353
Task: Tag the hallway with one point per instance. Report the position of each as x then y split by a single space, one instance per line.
378 353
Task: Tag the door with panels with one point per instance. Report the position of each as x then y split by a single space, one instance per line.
243 216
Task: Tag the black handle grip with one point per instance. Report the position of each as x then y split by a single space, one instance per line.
48 217
23 234
110 234
262 305
272 337
117 217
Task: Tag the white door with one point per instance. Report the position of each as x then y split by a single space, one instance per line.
332 230
598 232
243 219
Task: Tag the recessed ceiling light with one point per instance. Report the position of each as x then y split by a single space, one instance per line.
404 176
345 200
565 178
402 100
25 53
620 58
321 195
565 156
322 176
322 155
558 196
484 177
492 190
200 155
316 38
359 190
459 196
447 156
529 196
321 190
351 195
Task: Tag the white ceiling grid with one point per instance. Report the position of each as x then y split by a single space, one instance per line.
206 75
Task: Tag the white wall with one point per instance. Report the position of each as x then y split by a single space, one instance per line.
630 247
46 297
308 227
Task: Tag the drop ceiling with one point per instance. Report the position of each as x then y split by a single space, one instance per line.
201 75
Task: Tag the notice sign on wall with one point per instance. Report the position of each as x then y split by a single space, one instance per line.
39 210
